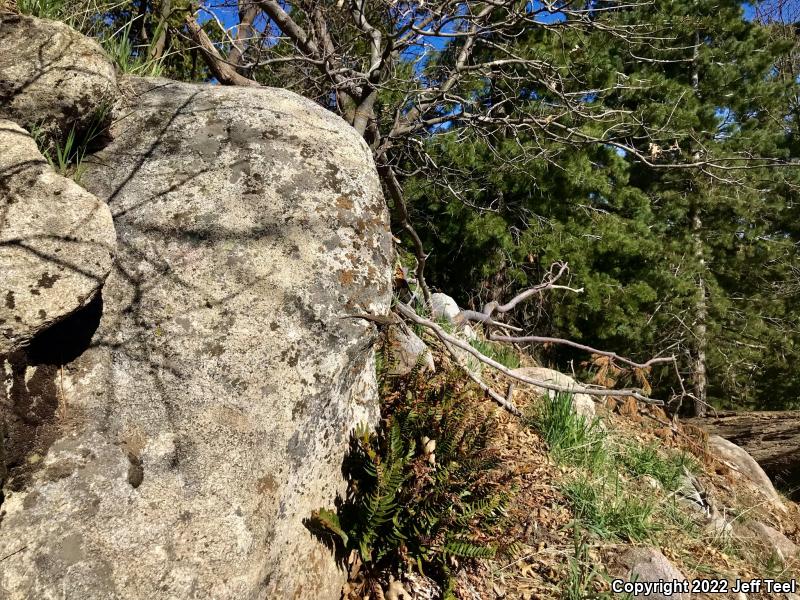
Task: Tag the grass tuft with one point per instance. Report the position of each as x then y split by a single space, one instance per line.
647 460
572 438
606 508
502 353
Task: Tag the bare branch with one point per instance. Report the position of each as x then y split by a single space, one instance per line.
222 70
408 313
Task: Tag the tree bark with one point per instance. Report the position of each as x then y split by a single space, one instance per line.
245 33
225 73
160 42
700 327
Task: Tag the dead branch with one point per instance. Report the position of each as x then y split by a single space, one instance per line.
485 316
535 339
448 339
220 67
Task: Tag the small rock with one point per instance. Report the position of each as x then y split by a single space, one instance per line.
650 565
396 591
405 350
443 307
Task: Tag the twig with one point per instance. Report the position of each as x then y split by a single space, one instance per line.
13 553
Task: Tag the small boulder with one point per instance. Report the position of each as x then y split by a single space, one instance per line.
56 241
405 350
646 565
739 460
52 77
770 538
444 307
583 403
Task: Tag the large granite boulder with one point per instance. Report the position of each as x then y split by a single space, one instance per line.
53 78
210 413
740 461
56 242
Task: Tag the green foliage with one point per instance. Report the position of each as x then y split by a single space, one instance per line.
571 437
641 460
130 59
599 488
427 485
502 353
609 510
66 155
583 576
628 230
43 9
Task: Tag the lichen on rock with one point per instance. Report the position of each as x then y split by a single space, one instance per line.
213 406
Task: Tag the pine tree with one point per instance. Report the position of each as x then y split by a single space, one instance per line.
687 260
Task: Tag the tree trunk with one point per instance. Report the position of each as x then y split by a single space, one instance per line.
160 42
699 328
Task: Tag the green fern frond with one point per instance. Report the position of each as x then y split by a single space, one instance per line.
329 520
468 549
410 502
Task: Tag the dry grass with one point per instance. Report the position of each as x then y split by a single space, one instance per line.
542 517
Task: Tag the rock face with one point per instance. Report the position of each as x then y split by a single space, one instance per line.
56 241
583 403
51 76
742 462
210 413
769 538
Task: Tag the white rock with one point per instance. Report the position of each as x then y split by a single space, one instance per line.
443 307
56 242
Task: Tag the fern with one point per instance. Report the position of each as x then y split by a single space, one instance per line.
330 520
468 549
408 505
